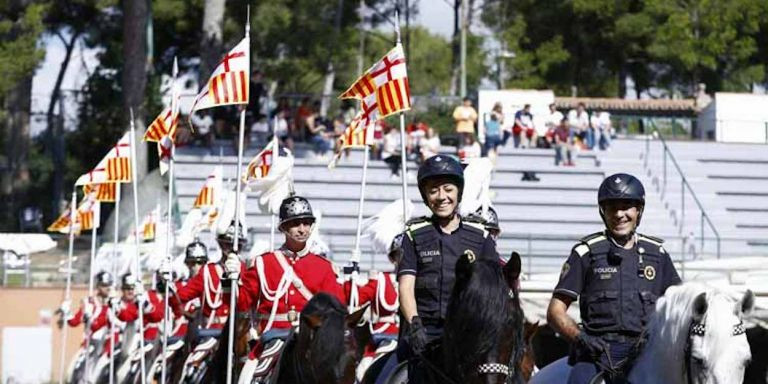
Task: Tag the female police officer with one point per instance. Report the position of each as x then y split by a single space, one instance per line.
431 247
616 275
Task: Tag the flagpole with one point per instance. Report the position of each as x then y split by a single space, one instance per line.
354 298
90 285
114 284
136 245
68 292
273 225
168 226
403 165
235 243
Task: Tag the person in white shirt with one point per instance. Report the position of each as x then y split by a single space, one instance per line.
601 123
260 130
579 120
552 121
430 144
469 150
390 151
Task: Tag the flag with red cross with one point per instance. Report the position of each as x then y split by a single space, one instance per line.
230 80
115 167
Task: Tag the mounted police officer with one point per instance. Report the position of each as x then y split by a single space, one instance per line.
617 275
431 247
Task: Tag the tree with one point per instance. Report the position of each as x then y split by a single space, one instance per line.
21 25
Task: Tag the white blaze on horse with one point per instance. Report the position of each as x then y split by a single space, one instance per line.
695 336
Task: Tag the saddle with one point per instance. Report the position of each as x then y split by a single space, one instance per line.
265 357
202 351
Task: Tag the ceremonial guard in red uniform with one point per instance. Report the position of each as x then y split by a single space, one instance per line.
280 283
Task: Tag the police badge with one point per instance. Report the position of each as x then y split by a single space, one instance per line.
565 269
470 255
649 272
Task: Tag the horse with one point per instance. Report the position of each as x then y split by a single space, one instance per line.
528 363
483 328
695 336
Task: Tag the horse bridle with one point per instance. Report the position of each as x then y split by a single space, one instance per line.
697 329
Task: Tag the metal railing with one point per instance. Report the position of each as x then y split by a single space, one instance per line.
661 187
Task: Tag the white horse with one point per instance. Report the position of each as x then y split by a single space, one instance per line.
694 337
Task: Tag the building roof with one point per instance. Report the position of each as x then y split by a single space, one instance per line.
648 107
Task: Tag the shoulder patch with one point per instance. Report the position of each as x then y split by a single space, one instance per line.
594 238
581 249
478 226
651 239
414 226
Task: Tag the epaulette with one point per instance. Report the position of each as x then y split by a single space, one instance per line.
593 238
479 226
415 224
581 249
651 239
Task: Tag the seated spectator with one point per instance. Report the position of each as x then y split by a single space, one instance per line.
416 132
303 118
430 145
564 144
552 121
523 132
469 150
601 123
260 130
282 131
493 131
390 151
202 125
378 139
319 136
579 121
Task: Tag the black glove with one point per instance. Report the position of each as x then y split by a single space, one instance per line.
592 345
417 336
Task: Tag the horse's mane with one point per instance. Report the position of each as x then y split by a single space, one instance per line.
328 341
479 312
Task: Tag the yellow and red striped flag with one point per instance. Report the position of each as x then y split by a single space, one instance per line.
149 225
61 224
210 193
102 192
387 79
229 81
115 167
164 125
89 212
261 164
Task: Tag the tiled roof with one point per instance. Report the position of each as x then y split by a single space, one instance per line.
662 107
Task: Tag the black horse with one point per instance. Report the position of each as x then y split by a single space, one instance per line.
482 339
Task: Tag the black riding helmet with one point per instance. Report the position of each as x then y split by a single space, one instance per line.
160 281
196 253
396 249
294 208
104 279
490 218
441 166
621 186
128 281
227 239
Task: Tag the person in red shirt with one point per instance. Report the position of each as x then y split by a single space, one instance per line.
282 282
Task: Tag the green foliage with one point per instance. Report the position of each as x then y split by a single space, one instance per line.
20 54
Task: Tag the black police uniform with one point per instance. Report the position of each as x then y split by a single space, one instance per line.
617 290
431 255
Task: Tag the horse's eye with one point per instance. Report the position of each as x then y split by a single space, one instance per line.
698 361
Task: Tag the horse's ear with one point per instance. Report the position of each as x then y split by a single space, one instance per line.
353 319
464 266
512 268
744 307
314 321
700 306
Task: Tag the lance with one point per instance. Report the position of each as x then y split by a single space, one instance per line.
136 246
68 289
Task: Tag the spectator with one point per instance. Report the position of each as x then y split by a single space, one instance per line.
416 132
282 131
302 118
552 122
601 123
390 150
430 146
256 95
523 132
319 136
469 150
202 123
579 120
465 117
564 144
260 130
493 131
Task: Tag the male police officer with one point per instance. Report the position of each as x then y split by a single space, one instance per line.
616 275
431 248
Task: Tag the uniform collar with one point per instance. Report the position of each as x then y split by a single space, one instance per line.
293 254
440 230
634 238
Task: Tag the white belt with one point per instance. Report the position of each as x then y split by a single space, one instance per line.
387 319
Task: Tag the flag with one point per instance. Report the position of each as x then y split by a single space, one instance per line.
89 212
164 124
211 190
387 79
230 80
360 130
61 224
149 225
102 192
164 153
261 164
115 167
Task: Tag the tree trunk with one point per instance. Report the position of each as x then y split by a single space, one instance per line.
211 44
55 128
330 71
456 48
135 16
16 176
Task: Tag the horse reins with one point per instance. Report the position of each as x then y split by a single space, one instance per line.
698 329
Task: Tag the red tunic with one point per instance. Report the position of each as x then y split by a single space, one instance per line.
99 310
382 295
153 315
206 286
180 322
126 312
262 284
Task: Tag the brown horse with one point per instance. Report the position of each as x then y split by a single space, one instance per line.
528 363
